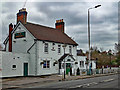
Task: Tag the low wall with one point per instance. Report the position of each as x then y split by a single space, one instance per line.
107 70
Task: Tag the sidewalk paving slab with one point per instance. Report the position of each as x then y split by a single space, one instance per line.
22 81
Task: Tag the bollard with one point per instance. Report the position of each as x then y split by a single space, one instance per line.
68 73
75 72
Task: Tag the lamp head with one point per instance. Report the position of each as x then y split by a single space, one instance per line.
64 45
97 6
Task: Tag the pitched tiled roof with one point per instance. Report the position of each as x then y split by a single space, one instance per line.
48 34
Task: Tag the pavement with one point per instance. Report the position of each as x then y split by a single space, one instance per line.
24 82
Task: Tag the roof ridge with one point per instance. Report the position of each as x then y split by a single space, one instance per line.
42 25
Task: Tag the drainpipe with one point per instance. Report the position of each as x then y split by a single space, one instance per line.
36 61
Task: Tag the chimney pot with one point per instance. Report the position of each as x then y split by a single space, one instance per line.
60 25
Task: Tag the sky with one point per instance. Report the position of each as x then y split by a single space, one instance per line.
103 20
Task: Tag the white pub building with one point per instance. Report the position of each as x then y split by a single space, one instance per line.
33 50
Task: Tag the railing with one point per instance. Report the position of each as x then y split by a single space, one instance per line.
98 71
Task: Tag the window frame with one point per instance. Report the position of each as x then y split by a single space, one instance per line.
46 48
59 49
47 64
70 49
82 64
14 67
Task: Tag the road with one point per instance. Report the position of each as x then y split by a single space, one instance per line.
110 81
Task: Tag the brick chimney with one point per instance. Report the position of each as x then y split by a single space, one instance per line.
10 37
60 25
22 16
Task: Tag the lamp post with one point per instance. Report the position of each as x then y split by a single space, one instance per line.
64 46
89 28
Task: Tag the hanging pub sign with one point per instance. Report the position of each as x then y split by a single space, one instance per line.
20 35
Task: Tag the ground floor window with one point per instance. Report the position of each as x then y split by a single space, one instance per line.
13 66
81 63
46 64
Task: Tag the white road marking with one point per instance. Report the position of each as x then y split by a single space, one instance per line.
108 80
93 83
78 86
84 85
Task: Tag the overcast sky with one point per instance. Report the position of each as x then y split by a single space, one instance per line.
104 20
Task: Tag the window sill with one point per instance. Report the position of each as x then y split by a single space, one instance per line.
59 53
13 68
53 49
46 68
46 53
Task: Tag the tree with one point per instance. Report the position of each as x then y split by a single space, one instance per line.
117 47
101 49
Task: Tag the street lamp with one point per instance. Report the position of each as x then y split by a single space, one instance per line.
89 28
64 46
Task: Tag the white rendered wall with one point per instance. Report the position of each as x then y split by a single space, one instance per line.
93 64
52 56
81 58
20 45
9 59
37 55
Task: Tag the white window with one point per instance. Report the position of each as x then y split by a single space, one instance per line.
46 48
81 63
46 64
59 49
70 49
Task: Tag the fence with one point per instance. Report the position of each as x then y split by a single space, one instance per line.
97 71
107 70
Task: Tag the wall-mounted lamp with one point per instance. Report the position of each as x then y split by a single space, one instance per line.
41 63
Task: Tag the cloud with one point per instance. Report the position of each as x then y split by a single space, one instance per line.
104 20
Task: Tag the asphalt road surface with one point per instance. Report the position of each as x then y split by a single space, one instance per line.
110 81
